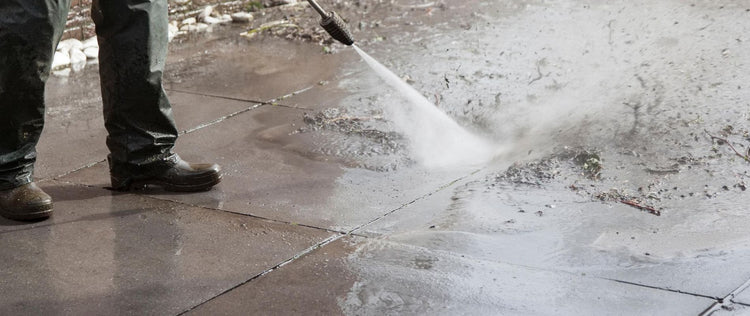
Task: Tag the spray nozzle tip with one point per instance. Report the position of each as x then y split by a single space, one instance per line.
337 28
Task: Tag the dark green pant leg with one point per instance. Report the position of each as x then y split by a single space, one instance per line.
132 38
29 33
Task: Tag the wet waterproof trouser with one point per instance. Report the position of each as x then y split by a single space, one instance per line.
132 37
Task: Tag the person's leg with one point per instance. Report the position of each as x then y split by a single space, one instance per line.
29 33
132 38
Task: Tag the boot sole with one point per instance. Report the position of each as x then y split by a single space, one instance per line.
204 185
34 213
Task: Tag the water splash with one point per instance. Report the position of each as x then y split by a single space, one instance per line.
436 140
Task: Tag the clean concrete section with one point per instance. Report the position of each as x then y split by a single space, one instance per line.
358 276
106 253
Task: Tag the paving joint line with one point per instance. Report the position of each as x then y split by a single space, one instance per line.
245 214
89 165
267 271
272 101
214 96
440 188
463 257
221 119
727 301
662 288
329 240
207 208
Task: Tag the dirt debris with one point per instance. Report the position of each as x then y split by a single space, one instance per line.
362 138
569 162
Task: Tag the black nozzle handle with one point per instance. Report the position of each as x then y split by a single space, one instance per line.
333 24
337 28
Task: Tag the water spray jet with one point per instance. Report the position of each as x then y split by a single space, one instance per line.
333 24
436 139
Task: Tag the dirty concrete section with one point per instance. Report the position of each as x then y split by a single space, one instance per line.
619 185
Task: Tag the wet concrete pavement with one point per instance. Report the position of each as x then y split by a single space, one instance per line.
323 211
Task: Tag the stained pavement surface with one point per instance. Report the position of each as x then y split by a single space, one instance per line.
331 216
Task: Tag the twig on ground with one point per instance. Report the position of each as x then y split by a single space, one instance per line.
539 74
745 157
642 207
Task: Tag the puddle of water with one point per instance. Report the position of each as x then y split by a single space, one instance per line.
436 140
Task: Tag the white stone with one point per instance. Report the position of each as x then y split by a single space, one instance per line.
91 52
211 20
188 21
198 27
90 42
206 12
68 44
173 27
61 60
172 31
181 1
62 72
202 27
77 60
242 17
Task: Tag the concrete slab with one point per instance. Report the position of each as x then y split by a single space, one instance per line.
105 253
349 89
735 310
358 276
274 172
192 111
74 134
224 64
743 297
552 227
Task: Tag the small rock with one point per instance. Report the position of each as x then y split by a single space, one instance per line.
61 60
172 31
90 42
181 1
68 44
242 17
201 27
91 52
211 20
188 21
62 72
77 60
206 13
173 28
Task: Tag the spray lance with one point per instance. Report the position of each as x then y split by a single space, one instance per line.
333 24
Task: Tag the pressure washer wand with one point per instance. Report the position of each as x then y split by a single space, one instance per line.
333 24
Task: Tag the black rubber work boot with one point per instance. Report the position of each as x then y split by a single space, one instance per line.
173 174
25 203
